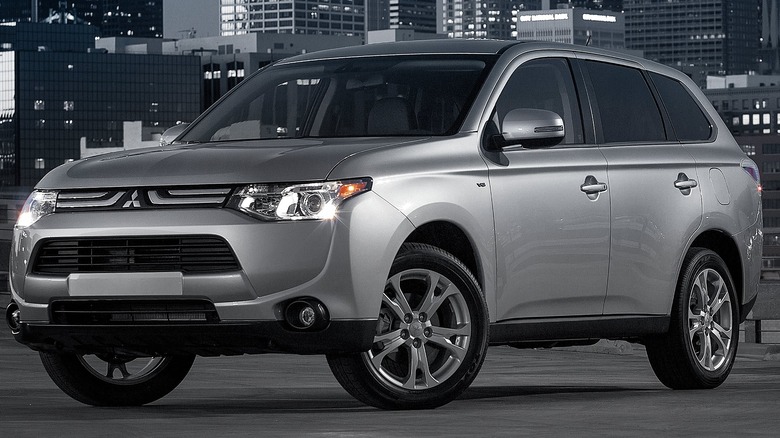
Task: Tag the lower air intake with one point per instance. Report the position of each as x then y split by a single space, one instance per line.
108 312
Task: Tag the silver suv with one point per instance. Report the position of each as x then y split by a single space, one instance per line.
398 208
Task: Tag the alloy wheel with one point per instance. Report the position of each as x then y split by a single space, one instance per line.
710 320
423 332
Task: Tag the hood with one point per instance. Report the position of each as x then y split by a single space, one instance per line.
278 160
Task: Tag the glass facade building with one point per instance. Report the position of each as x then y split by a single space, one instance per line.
311 17
495 19
580 26
752 113
139 18
700 38
54 104
417 15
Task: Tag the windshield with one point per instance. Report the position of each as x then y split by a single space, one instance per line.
356 97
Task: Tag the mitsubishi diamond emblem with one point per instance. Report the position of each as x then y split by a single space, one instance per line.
133 202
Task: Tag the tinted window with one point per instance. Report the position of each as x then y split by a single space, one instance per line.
688 121
544 84
627 108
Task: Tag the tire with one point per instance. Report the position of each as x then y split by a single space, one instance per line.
699 349
106 380
431 335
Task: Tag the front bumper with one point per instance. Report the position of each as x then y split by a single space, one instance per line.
231 338
341 263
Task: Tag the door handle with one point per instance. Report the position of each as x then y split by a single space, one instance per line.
684 184
592 185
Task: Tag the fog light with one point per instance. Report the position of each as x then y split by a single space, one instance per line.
13 317
306 314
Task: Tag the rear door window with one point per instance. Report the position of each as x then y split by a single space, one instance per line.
626 106
688 120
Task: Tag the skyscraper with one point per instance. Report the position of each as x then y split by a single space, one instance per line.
311 17
482 19
606 5
59 95
140 18
770 37
417 15
710 37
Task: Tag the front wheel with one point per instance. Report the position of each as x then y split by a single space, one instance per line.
699 349
116 380
431 335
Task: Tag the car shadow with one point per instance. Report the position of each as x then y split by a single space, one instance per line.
489 392
315 402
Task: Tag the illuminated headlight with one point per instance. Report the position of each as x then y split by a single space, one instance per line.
274 202
39 204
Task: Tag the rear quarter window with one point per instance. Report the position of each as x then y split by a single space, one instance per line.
688 120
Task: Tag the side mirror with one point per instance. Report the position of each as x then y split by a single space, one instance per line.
171 133
531 128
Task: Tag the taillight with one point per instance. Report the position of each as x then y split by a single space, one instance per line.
752 169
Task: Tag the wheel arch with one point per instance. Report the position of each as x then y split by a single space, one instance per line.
453 239
722 244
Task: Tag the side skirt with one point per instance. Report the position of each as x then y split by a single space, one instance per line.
575 330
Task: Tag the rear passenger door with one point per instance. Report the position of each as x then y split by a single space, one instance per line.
656 202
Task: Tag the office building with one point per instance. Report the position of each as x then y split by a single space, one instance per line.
573 26
58 93
750 107
603 5
769 52
227 60
482 19
416 15
700 38
308 17
140 18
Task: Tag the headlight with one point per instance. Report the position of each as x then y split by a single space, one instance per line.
39 204
299 201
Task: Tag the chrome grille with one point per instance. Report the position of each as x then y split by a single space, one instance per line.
138 198
182 197
188 254
71 200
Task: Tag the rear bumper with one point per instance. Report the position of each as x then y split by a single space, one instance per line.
224 338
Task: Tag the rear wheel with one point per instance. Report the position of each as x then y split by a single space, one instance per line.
116 380
431 335
699 349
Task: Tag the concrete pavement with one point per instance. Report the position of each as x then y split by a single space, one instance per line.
518 393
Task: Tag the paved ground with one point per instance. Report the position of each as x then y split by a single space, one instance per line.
518 393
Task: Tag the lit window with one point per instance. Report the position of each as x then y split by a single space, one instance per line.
40 123
154 107
40 163
67 105
735 120
746 119
756 119
39 105
766 119
68 124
